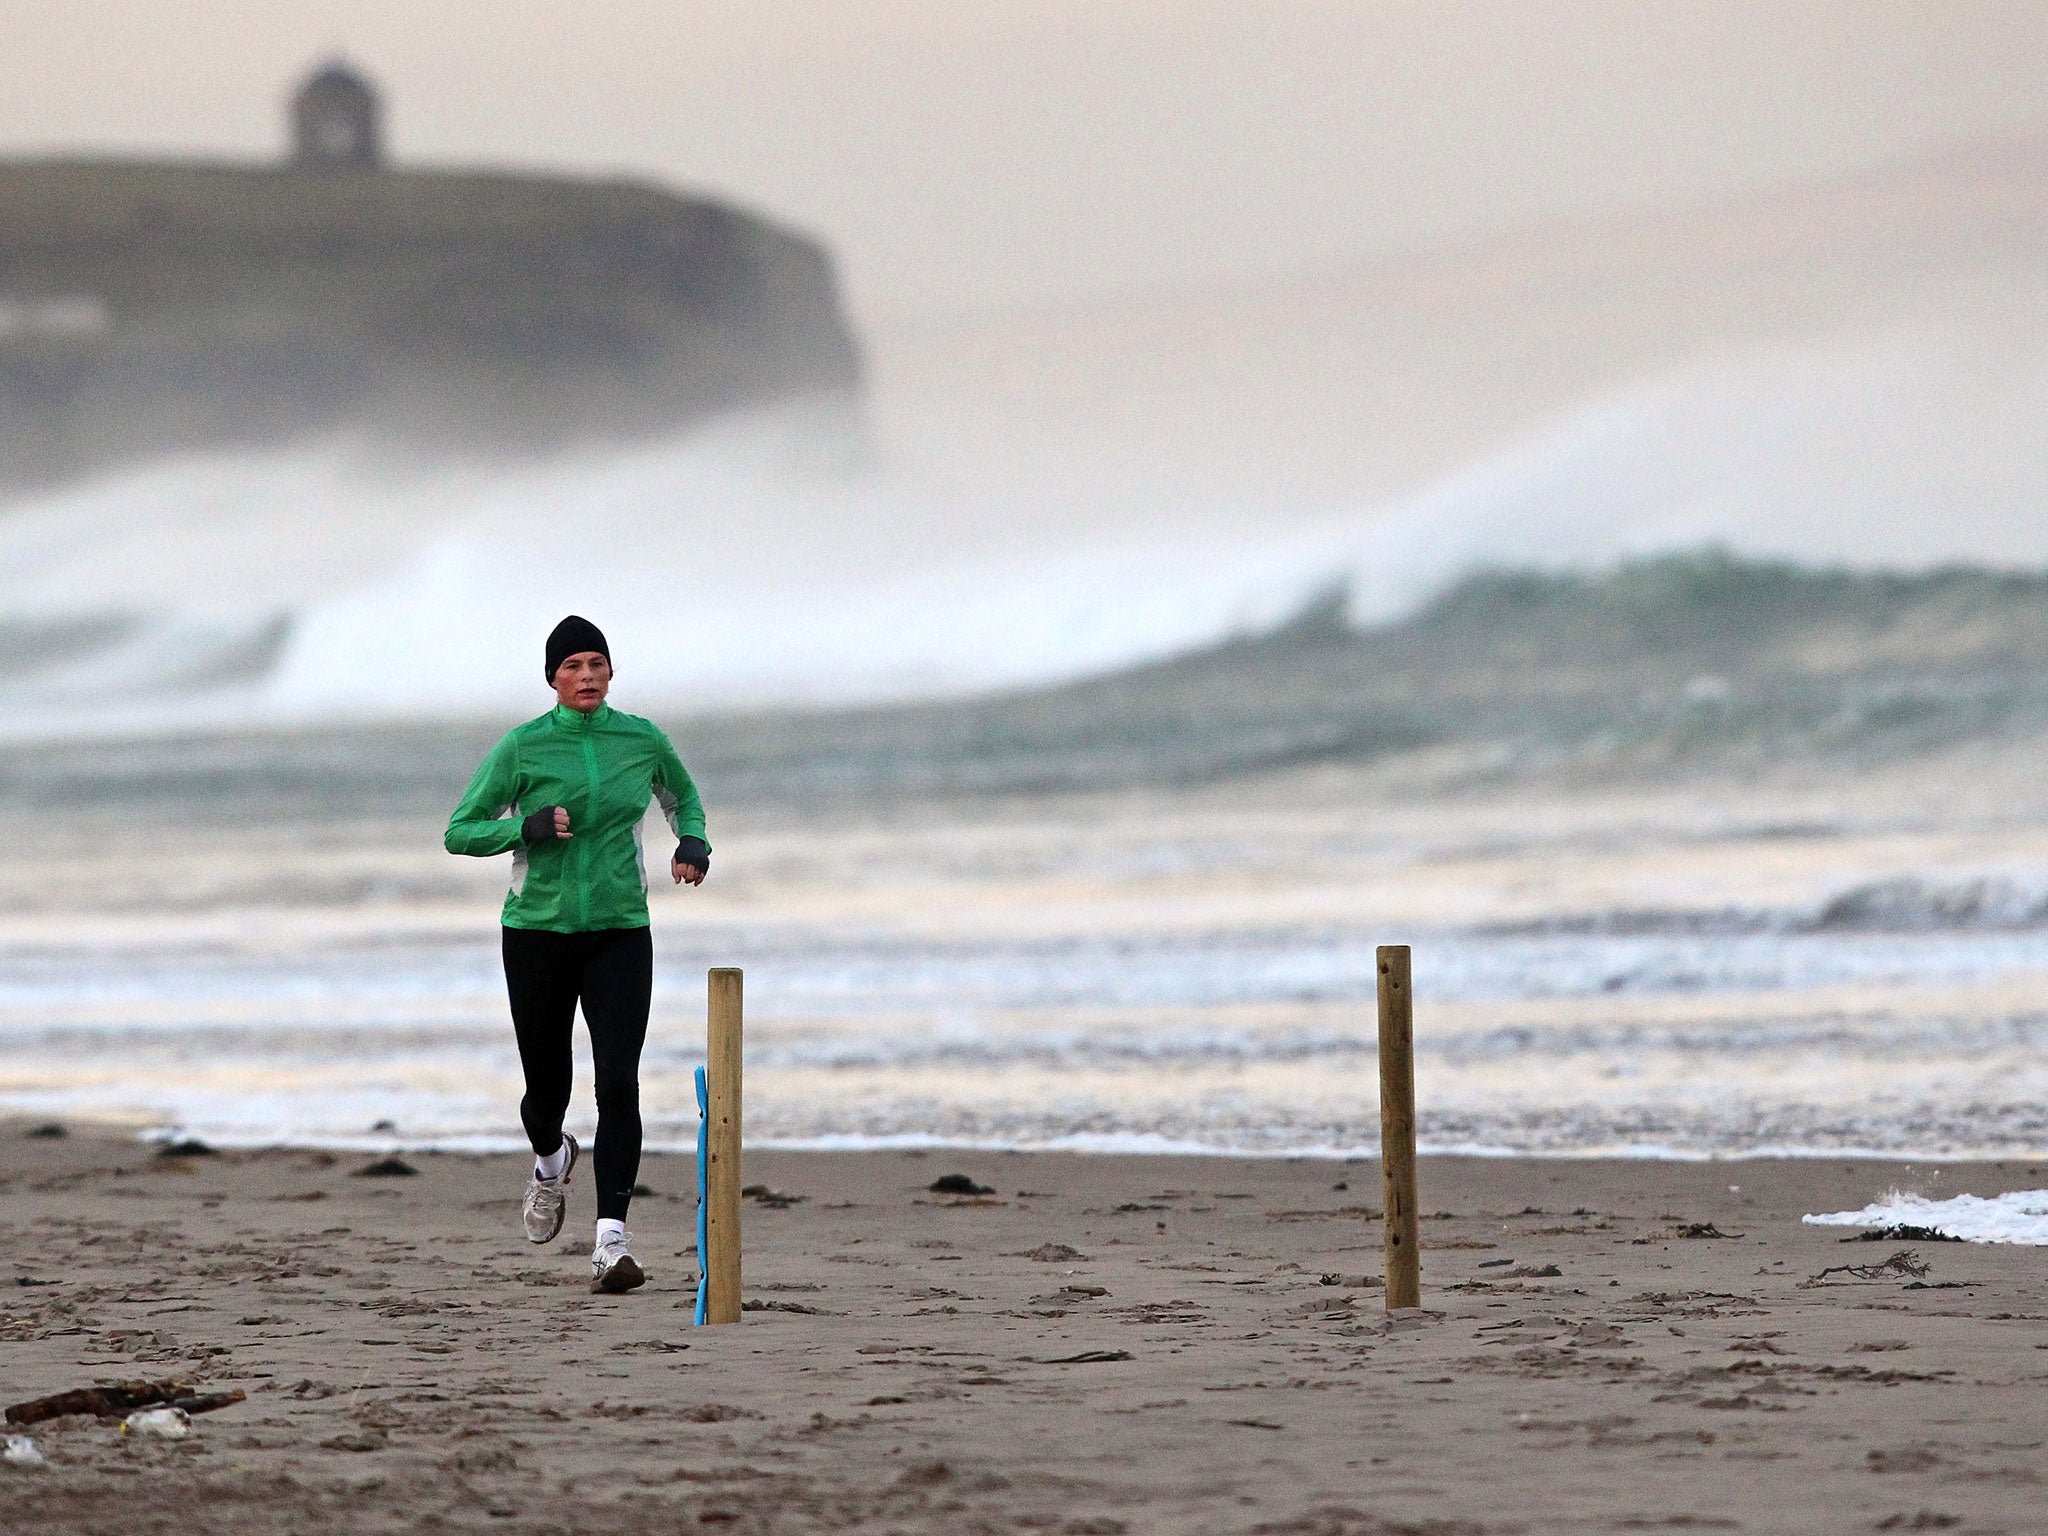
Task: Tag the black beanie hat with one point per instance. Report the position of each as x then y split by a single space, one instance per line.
572 637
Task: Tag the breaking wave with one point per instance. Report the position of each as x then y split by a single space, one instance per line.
767 561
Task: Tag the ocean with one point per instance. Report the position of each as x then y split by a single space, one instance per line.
1184 971
801 557
1042 826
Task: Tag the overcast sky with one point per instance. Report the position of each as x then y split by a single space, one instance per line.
962 154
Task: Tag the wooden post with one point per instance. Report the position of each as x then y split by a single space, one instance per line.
722 1143
1397 1128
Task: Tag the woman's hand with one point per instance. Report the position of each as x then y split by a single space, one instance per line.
546 824
691 861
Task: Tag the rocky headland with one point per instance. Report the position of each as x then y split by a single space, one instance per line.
156 308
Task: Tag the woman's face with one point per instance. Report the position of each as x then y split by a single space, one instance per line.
582 680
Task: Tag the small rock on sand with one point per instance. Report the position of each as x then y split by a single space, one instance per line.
1051 1253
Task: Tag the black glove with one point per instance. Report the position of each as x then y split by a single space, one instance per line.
540 826
694 850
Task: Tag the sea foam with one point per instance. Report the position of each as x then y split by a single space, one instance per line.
2020 1216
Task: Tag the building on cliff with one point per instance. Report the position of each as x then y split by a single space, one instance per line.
337 120
150 308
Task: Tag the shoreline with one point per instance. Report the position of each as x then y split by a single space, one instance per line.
1079 1145
947 973
1103 1343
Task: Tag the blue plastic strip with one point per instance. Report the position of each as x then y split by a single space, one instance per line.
703 1202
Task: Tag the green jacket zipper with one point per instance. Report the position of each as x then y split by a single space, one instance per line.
590 769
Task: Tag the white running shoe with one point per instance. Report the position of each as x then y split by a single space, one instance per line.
547 1200
614 1271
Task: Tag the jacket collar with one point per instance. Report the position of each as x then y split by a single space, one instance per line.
575 720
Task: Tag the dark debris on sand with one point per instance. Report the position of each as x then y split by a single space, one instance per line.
1905 1264
386 1168
189 1147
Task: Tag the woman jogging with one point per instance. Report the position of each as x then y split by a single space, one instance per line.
565 795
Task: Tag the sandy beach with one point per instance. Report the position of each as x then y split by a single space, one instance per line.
1102 1344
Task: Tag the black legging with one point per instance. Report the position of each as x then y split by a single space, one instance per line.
611 972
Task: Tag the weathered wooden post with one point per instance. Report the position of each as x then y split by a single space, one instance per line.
1397 1128
722 1147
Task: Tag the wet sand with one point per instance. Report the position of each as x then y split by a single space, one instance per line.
1206 1353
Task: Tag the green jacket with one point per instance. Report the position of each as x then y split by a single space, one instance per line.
601 768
